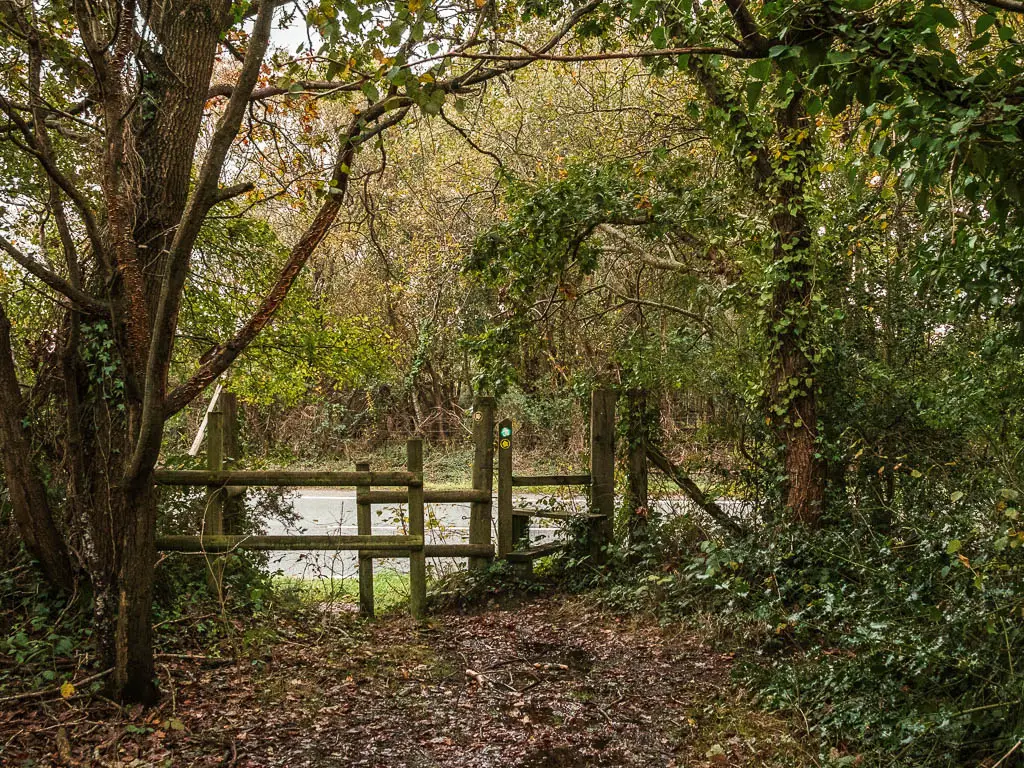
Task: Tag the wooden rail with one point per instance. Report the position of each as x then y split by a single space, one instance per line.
525 481
527 556
285 479
458 496
553 514
222 543
432 550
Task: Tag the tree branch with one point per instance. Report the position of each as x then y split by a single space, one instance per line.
753 41
78 297
693 491
647 258
667 307
49 165
310 86
218 360
202 199
31 506
735 53
1015 6
226 193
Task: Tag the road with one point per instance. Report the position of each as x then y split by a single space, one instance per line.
334 512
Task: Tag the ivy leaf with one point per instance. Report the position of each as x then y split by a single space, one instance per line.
659 37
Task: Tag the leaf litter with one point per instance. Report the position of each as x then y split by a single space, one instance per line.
552 682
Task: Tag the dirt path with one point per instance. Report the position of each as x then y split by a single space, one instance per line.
554 682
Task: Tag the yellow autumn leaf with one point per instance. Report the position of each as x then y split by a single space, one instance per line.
67 691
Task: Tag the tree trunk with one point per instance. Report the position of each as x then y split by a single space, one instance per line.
122 569
638 420
793 384
32 512
133 678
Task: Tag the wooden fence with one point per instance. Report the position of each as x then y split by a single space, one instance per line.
224 486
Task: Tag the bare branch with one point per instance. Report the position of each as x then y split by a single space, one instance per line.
49 165
667 307
305 87
734 53
645 256
77 296
226 193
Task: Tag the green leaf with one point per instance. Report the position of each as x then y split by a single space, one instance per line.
754 93
944 17
955 496
659 37
760 69
953 547
370 92
983 23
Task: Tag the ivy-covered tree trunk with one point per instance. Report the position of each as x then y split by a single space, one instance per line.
638 417
792 395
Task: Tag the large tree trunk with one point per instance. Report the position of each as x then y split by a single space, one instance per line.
134 562
782 184
793 384
118 524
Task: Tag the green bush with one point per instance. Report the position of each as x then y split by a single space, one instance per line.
902 647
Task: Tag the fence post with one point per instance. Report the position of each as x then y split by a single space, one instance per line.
506 522
364 523
213 513
602 467
234 498
483 477
417 558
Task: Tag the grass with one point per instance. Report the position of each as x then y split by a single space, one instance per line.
390 590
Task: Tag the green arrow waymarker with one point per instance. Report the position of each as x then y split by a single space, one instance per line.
506 431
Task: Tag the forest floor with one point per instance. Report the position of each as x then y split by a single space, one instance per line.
548 681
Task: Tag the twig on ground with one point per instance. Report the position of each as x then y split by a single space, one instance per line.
50 691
